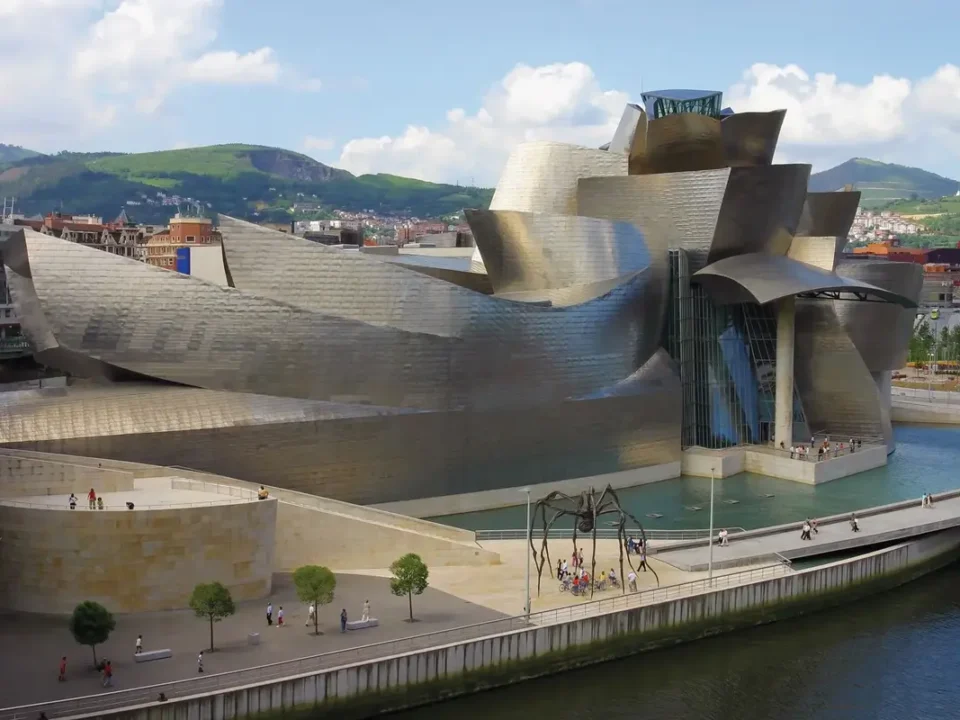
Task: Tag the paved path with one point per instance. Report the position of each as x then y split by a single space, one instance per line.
31 645
836 537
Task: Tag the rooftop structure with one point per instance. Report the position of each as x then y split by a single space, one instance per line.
675 289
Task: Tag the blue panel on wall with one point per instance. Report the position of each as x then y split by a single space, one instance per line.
183 260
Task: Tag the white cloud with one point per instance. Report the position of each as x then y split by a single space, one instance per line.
828 121
111 57
317 144
258 67
562 101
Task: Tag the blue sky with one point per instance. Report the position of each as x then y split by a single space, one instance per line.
369 84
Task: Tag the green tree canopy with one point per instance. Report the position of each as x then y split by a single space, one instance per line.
410 575
91 624
213 602
315 584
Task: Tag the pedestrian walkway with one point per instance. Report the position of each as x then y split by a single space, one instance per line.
755 547
32 645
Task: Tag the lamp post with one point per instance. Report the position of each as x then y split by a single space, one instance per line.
710 540
526 605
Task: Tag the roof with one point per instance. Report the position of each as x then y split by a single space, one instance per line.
680 94
763 278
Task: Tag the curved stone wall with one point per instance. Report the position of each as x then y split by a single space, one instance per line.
132 560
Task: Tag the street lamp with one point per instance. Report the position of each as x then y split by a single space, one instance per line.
710 539
526 605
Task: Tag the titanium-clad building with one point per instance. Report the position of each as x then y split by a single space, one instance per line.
673 289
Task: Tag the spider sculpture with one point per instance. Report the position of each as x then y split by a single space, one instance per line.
586 509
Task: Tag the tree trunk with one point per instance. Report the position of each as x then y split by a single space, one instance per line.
316 619
211 633
410 599
94 648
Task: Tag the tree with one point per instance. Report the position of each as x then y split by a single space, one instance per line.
409 578
212 601
315 584
91 624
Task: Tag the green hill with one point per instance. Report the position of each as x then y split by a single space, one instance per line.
250 181
881 183
14 153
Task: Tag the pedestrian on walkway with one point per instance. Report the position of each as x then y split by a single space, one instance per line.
343 620
72 501
854 523
100 503
643 560
580 558
92 499
280 617
200 662
139 645
269 613
310 613
723 537
366 611
805 531
815 526
107 674
63 669
632 581
559 569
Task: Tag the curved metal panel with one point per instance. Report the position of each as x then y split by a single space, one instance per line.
541 177
165 325
763 278
750 138
822 252
838 393
678 210
711 214
357 456
680 143
532 251
881 332
470 280
828 214
630 137
761 210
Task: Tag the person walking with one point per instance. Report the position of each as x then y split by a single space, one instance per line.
200 662
72 501
559 569
311 611
805 531
63 669
580 558
643 560
107 674
269 613
92 499
366 611
815 526
854 523
343 620
139 648
632 581
280 617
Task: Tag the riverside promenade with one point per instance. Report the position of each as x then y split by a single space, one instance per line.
879 525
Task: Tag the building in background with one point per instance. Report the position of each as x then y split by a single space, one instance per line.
161 248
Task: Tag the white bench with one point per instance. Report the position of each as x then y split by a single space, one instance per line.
362 624
153 655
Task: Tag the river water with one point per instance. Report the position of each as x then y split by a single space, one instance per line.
892 656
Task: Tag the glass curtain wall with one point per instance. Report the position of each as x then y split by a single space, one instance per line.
727 360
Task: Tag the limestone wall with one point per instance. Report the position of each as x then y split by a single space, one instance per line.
366 688
763 461
21 476
132 560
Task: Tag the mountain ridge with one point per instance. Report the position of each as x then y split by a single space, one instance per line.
880 183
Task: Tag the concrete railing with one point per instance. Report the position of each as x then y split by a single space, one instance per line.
94 704
602 534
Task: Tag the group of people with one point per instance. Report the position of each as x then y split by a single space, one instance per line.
927 500
802 452
93 502
312 615
810 525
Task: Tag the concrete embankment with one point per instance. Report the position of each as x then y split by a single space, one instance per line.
390 683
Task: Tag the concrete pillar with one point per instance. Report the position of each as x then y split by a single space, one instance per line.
783 414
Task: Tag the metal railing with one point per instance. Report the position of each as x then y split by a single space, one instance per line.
93 704
602 534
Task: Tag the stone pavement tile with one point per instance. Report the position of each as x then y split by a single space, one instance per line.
31 645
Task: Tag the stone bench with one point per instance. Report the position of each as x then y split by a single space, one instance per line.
362 624
153 655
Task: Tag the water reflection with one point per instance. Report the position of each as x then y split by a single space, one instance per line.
926 459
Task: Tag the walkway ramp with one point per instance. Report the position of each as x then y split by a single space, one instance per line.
885 524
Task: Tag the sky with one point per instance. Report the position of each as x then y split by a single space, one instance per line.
443 90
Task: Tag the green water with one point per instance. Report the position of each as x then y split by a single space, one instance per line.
927 459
